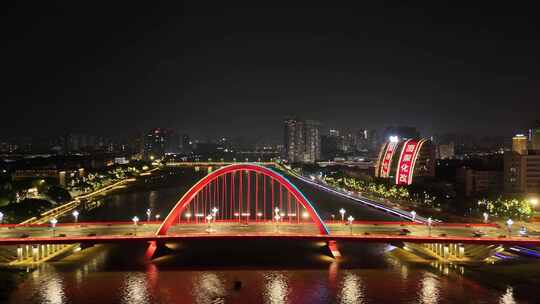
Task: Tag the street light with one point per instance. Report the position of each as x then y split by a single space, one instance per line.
277 218
135 220
534 201
209 220
413 215
53 224
486 217
350 219
76 215
305 215
188 216
214 212
333 217
276 210
509 224
1 217
148 213
259 214
429 222
157 217
342 212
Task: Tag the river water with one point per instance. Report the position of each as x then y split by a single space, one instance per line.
243 272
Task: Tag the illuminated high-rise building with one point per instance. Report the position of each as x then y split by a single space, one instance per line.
519 144
534 137
302 141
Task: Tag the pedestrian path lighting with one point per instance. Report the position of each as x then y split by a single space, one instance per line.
429 223
342 212
214 212
209 220
53 224
350 219
486 217
135 220
76 215
509 224
277 218
413 215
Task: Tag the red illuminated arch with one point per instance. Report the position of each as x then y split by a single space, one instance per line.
190 195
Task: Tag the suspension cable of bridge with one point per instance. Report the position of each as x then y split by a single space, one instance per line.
244 196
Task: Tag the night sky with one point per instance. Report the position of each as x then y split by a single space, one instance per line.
224 71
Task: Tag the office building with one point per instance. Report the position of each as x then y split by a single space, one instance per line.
302 141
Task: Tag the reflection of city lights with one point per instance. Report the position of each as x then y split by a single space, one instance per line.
50 285
208 287
135 288
276 288
508 297
430 289
352 289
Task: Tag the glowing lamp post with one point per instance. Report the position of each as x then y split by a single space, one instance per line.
305 215
209 220
277 218
259 214
429 223
350 219
342 212
413 215
148 213
214 213
1 217
76 215
157 217
53 224
486 217
509 224
135 220
188 216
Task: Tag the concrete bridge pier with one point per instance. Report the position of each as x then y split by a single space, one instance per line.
333 249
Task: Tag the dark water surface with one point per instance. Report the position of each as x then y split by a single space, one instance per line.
242 272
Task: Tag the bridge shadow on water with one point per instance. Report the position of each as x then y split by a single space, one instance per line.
249 254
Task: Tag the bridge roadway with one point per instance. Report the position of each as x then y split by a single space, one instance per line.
382 232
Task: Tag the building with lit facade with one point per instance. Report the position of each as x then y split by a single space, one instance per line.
404 159
302 141
158 142
522 166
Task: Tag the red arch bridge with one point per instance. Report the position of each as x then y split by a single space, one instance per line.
251 201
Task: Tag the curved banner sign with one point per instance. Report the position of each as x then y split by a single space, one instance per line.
387 160
407 159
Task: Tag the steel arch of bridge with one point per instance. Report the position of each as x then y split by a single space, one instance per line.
188 197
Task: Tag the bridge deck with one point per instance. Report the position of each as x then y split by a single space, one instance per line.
385 232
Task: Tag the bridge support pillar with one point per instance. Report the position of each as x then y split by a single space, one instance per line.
461 251
333 248
35 252
446 253
19 253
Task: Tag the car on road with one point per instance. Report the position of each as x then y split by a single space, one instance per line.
478 233
404 231
523 231
23 236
